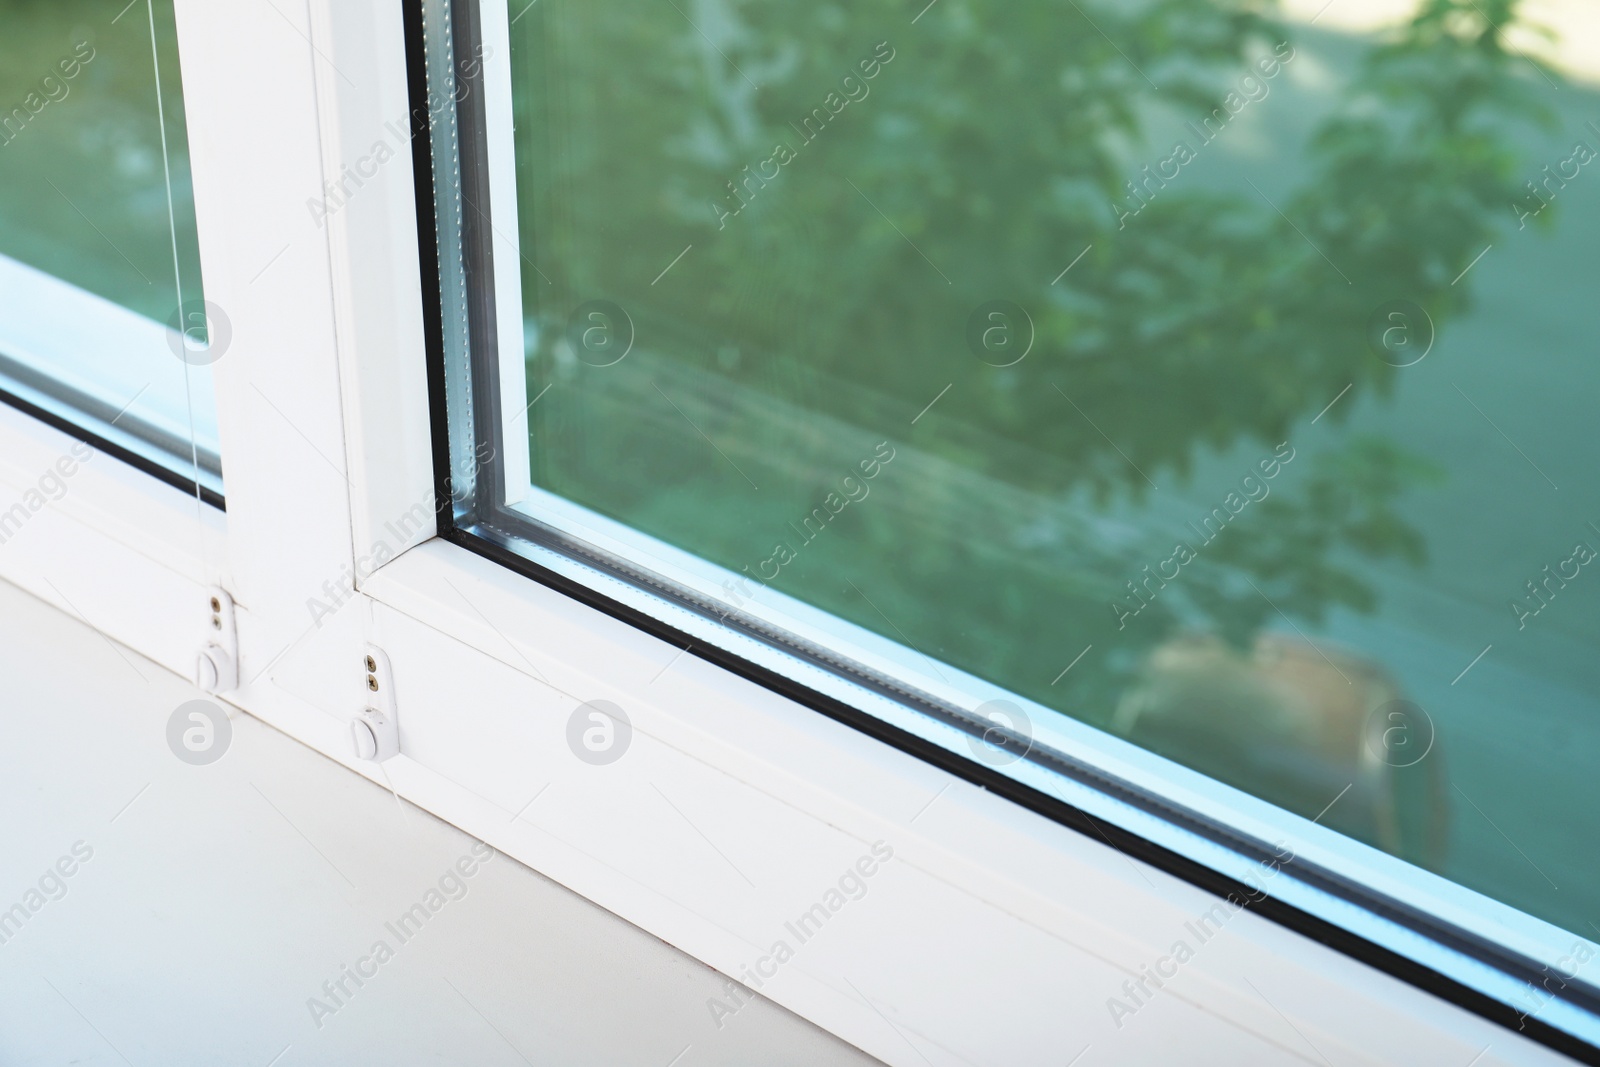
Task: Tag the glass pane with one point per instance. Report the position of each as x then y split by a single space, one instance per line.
102 316
1214 373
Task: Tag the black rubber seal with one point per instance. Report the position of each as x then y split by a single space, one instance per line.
133 459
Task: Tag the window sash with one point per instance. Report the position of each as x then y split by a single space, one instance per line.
1196 821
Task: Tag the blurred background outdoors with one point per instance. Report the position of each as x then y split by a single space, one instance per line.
1352 229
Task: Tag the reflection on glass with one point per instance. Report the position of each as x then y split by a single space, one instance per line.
1235 367
102 318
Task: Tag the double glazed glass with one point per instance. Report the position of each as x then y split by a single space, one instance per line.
1202 379
103 324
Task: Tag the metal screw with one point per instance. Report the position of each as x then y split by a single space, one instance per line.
372 683
216 622
216 605
372 665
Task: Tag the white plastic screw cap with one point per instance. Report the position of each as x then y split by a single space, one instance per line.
205 672
366 742
215 671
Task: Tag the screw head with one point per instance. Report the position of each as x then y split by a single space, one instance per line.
372 665
216 605
372 683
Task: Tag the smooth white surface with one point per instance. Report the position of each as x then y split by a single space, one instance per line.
218 899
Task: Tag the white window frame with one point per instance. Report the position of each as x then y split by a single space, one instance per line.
994 936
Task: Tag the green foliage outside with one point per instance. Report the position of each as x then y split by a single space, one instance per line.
84 172
819 309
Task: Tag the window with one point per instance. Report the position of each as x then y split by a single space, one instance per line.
1164 397
534 453
105 325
